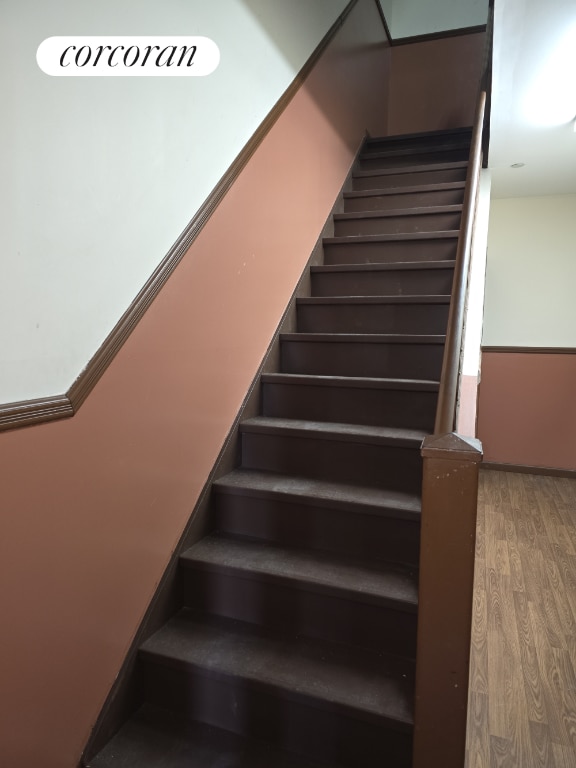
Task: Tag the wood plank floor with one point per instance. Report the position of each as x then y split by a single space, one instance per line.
522 707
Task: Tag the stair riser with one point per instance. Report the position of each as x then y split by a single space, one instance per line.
286 609
387 253
368 163
406 200
393 282
293 724
408 409
387 466
295 523
373 318
393 225
388 180
382 360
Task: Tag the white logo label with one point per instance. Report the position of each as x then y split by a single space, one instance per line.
97 56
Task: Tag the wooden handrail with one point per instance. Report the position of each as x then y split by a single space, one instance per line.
448 394
486 84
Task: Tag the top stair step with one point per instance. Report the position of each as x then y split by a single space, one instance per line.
398 158
452 137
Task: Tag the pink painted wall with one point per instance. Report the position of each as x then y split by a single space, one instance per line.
91 508
527 409
434 84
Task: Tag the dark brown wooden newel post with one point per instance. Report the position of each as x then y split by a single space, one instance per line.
448 536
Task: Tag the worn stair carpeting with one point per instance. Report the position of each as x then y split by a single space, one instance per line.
295 643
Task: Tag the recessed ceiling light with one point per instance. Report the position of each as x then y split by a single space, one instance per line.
517 165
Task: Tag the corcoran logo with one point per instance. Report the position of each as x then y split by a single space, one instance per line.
97 56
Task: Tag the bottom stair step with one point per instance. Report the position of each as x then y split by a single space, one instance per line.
328 701
157 738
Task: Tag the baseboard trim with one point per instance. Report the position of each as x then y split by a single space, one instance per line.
29 412
527 469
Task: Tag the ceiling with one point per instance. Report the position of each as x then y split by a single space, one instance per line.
410 18
529 39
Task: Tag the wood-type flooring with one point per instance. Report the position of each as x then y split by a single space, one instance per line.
522 706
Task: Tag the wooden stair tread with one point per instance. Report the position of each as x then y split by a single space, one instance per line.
365 685
368 500
387 267
364 338
385 191
384 583
444 234
334 431
410 169
163 739
360 382
428 210
402 299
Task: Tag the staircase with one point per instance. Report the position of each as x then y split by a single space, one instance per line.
296 640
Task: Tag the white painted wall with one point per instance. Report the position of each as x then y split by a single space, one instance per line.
99 176
531 272
420 17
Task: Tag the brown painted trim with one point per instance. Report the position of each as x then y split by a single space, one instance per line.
526 469
438 35
38 411
486 84
532 350
26 413
384 22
